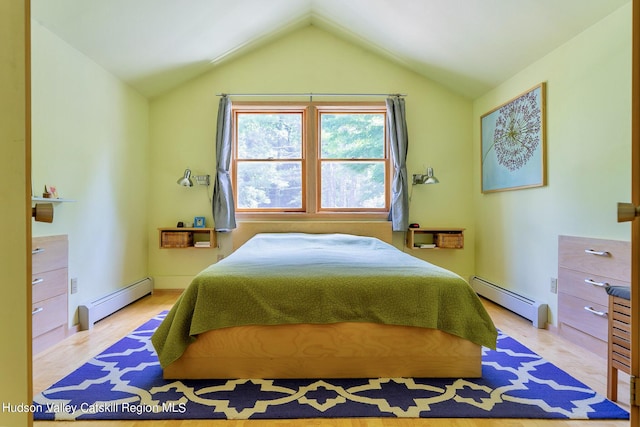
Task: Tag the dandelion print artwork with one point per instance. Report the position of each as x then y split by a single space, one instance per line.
513 143
517 132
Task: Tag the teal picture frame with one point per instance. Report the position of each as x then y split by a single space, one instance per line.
513 146
199 222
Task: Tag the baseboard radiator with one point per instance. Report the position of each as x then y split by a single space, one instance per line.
102 307
526 307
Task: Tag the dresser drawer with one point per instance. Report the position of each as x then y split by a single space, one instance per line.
589 287
605 258
49 314
49 253
49 284
577 316
49 338
586 341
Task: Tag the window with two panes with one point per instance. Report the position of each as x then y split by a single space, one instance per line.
310 159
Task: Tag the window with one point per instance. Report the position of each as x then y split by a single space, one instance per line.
352 160
269 161
311 158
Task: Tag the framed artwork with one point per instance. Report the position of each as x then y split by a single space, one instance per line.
198 222
513 143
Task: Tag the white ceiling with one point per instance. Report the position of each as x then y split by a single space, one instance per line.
467 45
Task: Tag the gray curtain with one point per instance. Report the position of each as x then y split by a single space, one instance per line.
224 216
397 125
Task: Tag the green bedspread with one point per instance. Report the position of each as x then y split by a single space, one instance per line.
324 278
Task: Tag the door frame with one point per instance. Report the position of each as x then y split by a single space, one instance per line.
635 199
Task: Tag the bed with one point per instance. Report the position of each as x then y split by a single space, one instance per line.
328 305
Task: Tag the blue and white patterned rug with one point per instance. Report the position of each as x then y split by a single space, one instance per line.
125 382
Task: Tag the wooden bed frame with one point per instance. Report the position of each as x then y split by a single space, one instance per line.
340 350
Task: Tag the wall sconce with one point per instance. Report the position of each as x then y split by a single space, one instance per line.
428 178
203 179
186 181
42 212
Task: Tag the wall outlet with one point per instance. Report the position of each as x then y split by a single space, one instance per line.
74 285
553 285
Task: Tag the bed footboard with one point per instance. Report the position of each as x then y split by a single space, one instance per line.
340 350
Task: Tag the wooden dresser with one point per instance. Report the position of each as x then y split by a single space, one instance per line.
585 267
49 293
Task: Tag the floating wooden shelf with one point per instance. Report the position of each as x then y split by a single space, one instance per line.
435 238
187 238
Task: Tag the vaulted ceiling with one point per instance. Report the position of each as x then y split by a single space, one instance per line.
469 46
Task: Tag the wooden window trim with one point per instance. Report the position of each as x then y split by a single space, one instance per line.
328 108
303 160
311 188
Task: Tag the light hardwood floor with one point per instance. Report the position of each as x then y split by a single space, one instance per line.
56 362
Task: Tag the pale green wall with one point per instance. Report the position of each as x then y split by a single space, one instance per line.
309 60
15 372
90 139
90 126
588 160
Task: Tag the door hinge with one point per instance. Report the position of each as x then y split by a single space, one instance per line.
635 393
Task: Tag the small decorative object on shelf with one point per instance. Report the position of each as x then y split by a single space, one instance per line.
198 222
50 192
435 238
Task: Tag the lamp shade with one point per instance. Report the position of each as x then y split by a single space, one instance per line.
185 181
430 178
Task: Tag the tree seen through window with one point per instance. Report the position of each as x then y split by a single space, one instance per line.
272 172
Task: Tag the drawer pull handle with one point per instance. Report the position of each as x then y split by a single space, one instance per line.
596 312
594 283
598 253
37 251
37 281
37 310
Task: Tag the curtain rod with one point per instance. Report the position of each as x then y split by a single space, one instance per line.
310 94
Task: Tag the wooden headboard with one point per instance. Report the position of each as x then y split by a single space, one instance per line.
248 229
